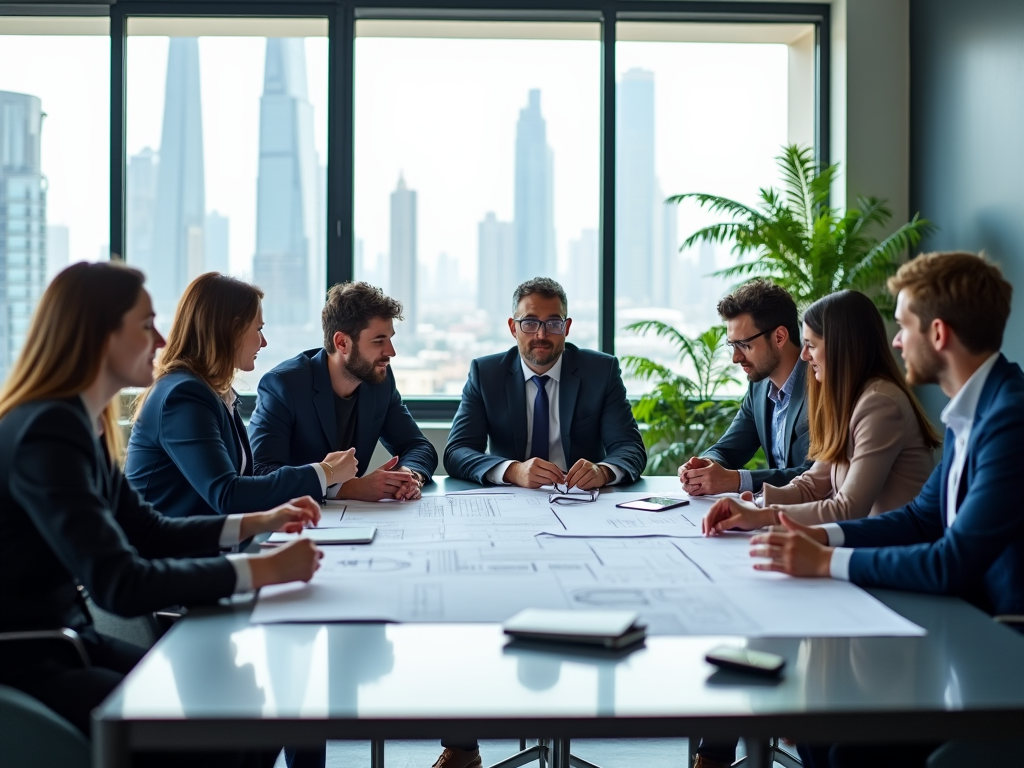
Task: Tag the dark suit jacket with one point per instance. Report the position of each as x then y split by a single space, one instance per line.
981 556
295 423
752 429
594 414
185 451
67 517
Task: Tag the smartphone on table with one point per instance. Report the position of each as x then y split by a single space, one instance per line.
654 503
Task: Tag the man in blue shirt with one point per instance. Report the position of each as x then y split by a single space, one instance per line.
960 536
764 334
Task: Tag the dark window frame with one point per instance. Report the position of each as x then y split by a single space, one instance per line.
342 15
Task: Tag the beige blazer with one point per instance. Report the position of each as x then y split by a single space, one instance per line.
887 464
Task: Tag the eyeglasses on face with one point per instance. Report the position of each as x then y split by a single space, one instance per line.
554 326
744 344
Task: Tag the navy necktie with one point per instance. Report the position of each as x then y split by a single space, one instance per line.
541 420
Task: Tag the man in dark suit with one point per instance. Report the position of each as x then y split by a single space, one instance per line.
553 413
964 533
764 334
344 396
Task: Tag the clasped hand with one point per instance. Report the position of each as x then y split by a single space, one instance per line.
533 473
701 477
388 481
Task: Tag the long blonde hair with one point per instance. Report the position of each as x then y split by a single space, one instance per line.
212 317
856 351
67 338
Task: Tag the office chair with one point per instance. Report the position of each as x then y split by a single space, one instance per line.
31 734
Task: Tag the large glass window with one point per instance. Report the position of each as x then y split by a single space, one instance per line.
226 167
700 108
476 167
54 160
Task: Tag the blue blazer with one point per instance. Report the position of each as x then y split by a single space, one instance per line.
981 556
295 423
594 414
186 449
752 429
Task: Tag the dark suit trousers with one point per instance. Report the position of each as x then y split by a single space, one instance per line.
49 671
876 756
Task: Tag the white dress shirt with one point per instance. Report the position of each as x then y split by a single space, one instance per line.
556 454
958 417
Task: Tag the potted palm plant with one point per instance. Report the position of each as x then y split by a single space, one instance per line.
792 237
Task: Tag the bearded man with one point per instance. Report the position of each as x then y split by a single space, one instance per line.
344 396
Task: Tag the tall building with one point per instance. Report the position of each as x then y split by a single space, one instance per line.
58 249
22 220
581 282
215 244
665 291
180 212
140 210
496 265
635 187
287 264
534 195
402 284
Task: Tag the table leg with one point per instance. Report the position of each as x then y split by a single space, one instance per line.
759 753
377 753
560 753
110 744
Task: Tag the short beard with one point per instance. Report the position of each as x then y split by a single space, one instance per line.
531 357
926 371
358 367
767 369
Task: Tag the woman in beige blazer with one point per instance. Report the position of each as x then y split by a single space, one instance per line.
870 440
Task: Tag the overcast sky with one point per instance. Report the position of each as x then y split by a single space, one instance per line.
443 112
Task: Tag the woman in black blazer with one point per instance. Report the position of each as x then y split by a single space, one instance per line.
189 452
69 519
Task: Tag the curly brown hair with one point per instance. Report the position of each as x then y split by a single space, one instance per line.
351 306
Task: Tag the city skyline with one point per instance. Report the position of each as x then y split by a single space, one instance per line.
403 250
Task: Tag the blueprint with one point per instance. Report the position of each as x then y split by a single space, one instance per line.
483 558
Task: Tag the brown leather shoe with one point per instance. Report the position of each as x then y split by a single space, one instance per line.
699 761
459 758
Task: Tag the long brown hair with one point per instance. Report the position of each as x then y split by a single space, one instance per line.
214 313
67 337
856 351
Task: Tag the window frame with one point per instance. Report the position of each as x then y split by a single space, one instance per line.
342 15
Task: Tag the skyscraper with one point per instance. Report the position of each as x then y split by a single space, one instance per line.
140 209
215 245
581 281
58 249
22 220
496 264
634 186
534 195
177 246
403 250
287 264
665 252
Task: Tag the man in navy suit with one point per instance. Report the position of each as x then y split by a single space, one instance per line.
964 533
344 395
553 413
764 333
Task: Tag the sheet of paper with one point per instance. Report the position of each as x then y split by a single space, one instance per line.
478 557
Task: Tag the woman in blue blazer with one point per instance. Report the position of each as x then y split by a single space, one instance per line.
69 520
189 452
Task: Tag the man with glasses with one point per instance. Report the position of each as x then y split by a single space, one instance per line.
553 413
762 329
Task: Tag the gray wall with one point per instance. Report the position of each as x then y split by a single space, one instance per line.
967 136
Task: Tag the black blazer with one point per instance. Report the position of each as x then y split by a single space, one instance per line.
594 414
752 429
67 517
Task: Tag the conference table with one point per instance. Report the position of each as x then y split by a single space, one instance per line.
217 681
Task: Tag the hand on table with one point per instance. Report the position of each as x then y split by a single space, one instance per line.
341 465
587 474
799 550
297 560
533 473
701 477
291 518
741 513
385 482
